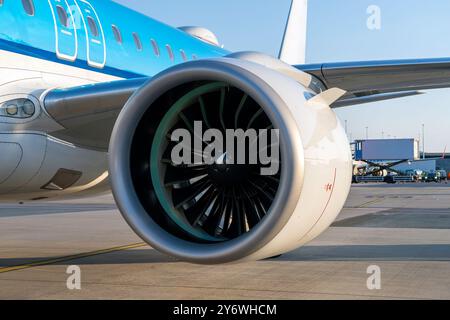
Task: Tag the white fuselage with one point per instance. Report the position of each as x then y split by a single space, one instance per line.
29 157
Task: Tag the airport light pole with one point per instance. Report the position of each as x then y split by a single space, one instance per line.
423 140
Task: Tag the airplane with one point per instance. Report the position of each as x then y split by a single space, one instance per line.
90 91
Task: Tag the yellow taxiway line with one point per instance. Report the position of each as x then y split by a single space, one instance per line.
71 257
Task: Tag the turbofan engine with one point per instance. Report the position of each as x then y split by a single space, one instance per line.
224 210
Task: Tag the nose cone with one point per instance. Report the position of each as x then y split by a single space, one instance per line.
224 159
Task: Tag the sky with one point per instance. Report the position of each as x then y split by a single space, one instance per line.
337 31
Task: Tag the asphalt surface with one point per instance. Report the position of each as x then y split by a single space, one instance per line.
404 230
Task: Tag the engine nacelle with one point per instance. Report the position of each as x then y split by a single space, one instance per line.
219 211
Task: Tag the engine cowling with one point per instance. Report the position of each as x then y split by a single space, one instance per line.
220 211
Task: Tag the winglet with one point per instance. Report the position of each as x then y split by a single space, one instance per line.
327 97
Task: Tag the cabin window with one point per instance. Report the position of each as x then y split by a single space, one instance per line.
183 55
28 6
117 34
194 57
155 47
170 52
62 15
93 26
137 41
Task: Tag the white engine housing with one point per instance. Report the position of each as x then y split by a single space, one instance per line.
327 168
316 161
327 164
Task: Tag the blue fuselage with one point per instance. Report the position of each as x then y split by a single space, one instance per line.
97 35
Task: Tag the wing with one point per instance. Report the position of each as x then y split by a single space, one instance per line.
88 113
371 81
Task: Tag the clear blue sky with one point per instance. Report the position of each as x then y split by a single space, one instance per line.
337 31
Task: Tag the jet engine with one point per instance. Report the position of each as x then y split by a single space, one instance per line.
223 210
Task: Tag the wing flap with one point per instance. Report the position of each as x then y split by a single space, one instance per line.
374 98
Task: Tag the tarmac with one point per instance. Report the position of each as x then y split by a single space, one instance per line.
403 231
